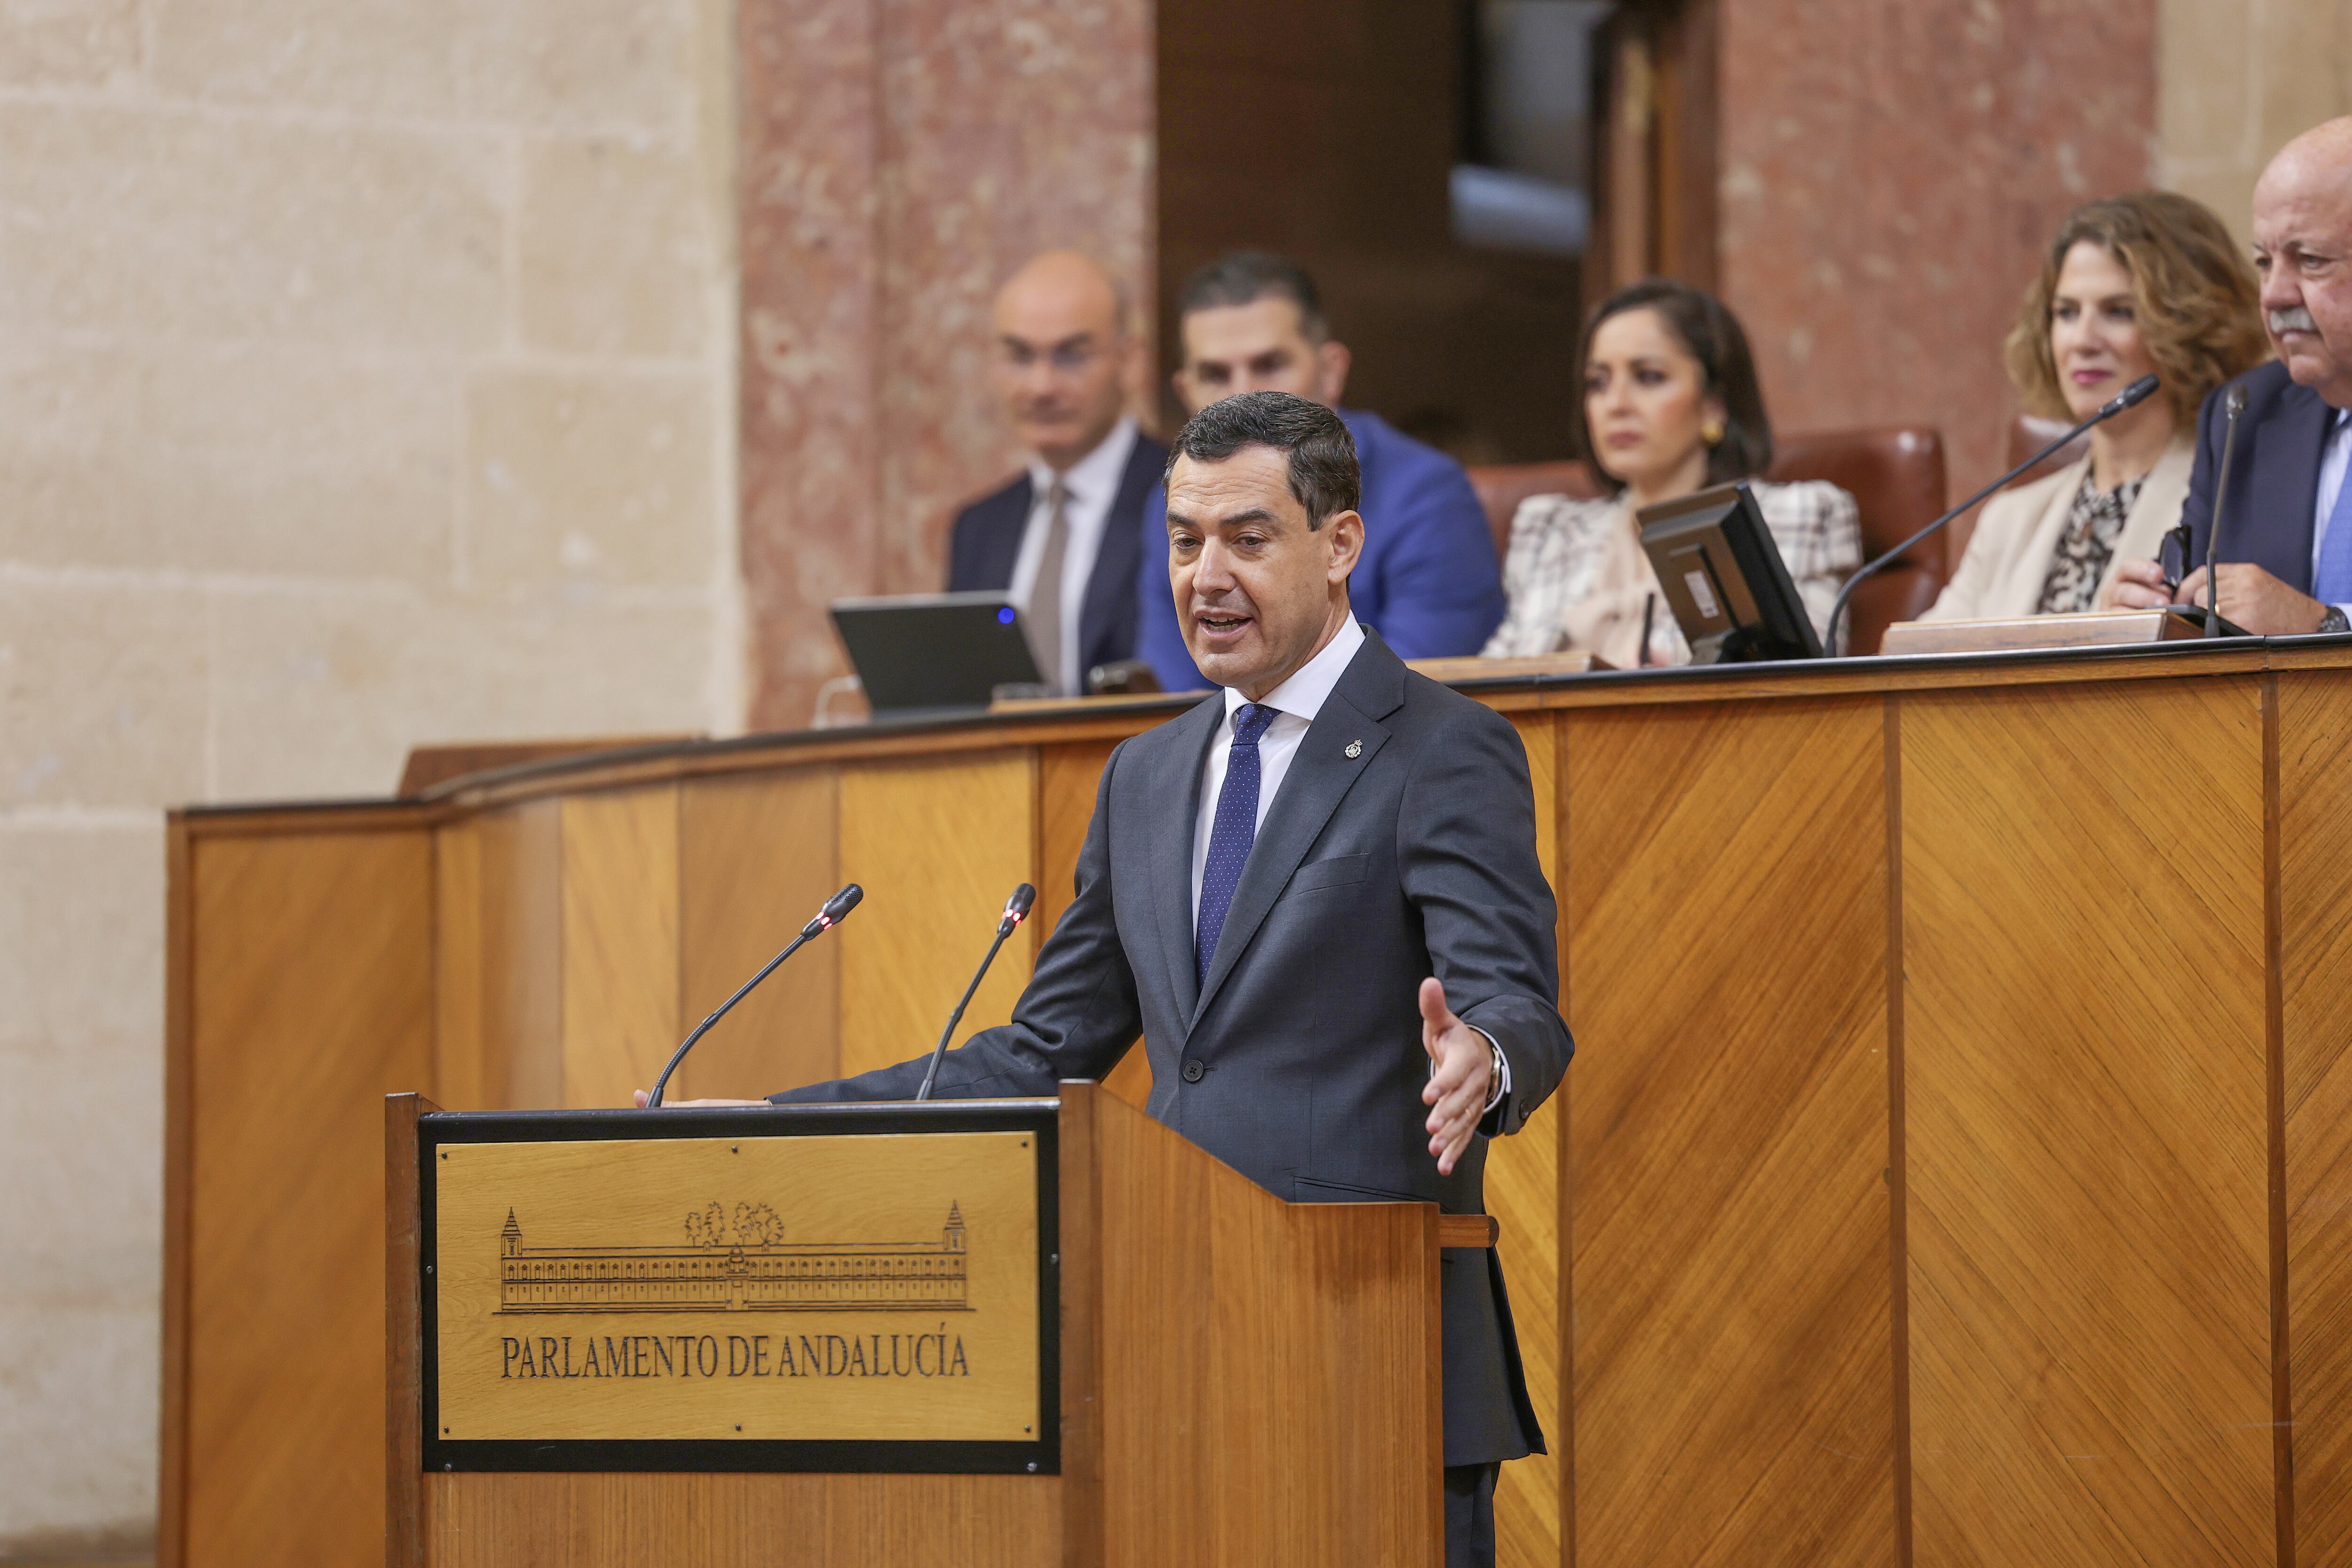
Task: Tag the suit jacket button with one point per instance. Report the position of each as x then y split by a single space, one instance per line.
1193 1071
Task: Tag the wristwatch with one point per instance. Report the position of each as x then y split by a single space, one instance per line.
2335 621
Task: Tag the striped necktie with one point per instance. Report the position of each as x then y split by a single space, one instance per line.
1046 591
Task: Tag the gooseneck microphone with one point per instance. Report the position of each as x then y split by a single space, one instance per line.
2136 393
2233 403
836 909
1016 910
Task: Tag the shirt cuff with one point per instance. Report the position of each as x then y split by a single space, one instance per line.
1502 1084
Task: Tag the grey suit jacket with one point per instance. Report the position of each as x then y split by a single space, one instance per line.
1299 1062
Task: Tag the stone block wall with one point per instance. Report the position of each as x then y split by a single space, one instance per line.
2239 78
366 378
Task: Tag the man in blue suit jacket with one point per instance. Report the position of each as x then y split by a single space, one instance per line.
1428 582
2285 550
1062 538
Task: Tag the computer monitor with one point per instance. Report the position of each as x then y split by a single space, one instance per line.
934 653
1724 579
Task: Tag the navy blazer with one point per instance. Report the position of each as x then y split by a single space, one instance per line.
986 545
2273 476
1401 845
1427 581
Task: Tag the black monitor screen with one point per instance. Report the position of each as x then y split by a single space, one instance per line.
1724 579
934 652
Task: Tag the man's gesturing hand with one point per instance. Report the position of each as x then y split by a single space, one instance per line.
641 1097
1463 1080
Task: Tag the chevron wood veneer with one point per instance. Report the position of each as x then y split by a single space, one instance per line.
1523 1193
2314 858
1729 1141
2032 1247
2089 1218
311 958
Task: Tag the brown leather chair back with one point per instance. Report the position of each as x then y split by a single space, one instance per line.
1895 476
1502 487
2028 434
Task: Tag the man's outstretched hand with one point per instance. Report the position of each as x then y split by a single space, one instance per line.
1463 1080
642 1095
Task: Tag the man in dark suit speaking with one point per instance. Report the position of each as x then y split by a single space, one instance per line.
1316 897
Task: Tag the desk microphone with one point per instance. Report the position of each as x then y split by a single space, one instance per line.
2233 403
1016 910
836 909
2137 392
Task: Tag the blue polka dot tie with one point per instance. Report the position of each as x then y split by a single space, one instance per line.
1230 839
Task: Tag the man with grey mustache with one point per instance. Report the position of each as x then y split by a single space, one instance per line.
2285 554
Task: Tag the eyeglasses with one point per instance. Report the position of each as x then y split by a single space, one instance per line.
1063 359
2172 554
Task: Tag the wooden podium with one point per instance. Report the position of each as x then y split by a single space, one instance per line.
1029 1331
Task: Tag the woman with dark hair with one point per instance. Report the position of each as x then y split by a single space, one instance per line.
2149 283
1670 406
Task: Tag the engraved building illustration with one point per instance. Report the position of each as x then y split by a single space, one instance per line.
747 1267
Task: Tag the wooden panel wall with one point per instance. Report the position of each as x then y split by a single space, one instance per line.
2314 856
730 1521
757 859
461 1069
939 844
2119 1289
2089 1222
620 962
520 927
310 973
1067 777
1302 1333
1727 929
1523 1193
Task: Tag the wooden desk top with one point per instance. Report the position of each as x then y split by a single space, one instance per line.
1508 690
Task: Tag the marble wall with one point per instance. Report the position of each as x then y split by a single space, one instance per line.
898 159
366 378
1890 171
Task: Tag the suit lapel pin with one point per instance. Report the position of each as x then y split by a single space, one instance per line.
1355 749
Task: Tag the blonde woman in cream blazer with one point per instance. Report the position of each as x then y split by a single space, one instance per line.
2008 557
2148 283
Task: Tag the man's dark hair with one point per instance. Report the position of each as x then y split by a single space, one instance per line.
1711 334
1244 278
1324 474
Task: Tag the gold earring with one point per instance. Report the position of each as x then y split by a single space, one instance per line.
1711 432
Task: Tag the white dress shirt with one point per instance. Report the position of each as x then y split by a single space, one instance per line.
2333 455
1295 702
1093 484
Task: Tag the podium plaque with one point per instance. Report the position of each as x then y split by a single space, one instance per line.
848 1289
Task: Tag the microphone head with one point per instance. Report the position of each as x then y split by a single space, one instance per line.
836 907
2233 401
1017 907
2138 392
